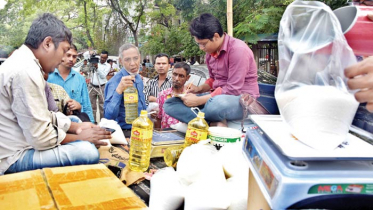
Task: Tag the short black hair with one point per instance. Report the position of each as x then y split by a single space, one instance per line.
104 52
183 65
47 25
73 47
109 60
205 26
162 55
177 59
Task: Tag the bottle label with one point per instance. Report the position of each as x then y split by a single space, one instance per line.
141 135
130 98
195 136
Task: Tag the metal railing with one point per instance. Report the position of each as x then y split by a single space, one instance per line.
266 57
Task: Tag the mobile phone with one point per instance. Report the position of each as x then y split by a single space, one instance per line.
109 129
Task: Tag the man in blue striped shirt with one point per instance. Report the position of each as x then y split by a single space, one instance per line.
72 82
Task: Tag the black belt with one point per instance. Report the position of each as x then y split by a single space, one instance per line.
97 86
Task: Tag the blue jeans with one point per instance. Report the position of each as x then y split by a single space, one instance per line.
74 118
73 153
216 109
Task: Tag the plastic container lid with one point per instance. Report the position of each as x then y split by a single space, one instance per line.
225 132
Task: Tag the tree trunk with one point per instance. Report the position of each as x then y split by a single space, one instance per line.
86 25
136 38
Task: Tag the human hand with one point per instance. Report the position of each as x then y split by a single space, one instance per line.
154 115
191 88
73 105
83 126
94 134
152 99
125 82
191 100
361 77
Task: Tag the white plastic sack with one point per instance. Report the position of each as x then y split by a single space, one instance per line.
153 106
117 137
165 190
203 194
311 89
233 160
238 190
197 162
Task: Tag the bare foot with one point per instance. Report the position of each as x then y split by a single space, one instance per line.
213 124
222 124
219 124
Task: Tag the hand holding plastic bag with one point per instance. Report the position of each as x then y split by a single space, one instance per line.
311 88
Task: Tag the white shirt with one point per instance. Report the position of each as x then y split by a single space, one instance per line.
25 121
115 66
102 71
86 55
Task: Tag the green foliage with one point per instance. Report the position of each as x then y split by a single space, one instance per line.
131 13
334 4
13 26
163 13
263 18
84 18
167 35
155 24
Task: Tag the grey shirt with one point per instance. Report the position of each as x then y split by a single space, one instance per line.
25 121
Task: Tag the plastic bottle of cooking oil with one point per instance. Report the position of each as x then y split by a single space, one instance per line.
131 101
197 130
172 154
141 139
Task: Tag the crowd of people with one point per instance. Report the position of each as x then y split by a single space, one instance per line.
47 111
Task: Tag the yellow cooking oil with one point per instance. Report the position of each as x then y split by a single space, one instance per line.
197 130
172 154
131 101
140 145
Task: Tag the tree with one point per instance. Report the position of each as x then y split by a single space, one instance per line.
14 24
83 17
263 18
86 17
167 35
131 12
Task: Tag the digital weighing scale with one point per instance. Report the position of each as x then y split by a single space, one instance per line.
292 175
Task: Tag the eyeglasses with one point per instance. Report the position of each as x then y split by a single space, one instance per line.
203 45
128 60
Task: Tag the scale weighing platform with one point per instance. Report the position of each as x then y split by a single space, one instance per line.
292 175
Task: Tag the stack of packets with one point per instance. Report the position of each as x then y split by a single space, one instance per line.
116 159
163 140
74 187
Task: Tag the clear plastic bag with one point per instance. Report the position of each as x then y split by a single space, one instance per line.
311 89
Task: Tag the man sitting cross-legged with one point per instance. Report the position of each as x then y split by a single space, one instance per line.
32 137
